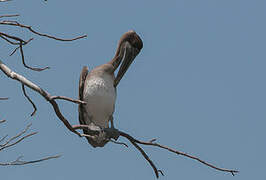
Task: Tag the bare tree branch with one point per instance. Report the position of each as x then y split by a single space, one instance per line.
20 42
2 121
16 142
5 0
68 99
9 15
2 35
3 138
15 23
151 143
17 139
8 72
13 52
19 162
12 37
32 103
3 98
134 141
51 99
23 60
8 142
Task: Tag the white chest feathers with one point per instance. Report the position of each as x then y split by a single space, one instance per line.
100 96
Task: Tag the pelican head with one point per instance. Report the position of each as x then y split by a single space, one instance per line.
129 46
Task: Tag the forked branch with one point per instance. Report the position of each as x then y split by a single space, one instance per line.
18 161
12 141
14 40
51 99
15 23
135 142
152 143
20 43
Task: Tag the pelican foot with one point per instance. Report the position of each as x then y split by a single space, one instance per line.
112 133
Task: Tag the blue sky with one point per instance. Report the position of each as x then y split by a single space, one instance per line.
198 85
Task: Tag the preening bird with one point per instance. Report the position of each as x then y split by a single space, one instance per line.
98 87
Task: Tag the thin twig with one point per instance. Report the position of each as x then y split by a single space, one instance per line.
68 99
5 37
19 162
7 143
151 143
23 61
9 41
3 138
9 73
5 0
21 43
2 121
5 98
19 134
32 103
19 140
15 23
9 15
133 141
13 52
190 156
14 38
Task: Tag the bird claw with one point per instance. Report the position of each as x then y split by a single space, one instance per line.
112 133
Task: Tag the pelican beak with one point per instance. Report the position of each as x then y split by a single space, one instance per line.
129 54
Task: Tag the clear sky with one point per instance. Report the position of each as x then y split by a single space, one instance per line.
198 85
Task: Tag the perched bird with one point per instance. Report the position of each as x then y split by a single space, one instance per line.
98 87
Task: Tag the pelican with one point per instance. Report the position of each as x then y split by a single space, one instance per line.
98 87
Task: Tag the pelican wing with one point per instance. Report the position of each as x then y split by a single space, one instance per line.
81 109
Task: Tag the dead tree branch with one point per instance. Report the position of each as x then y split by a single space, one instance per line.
8 143
23 58
51 99
5 0
2 121
9 15
151 143
20 42
12 141
32 103
13 40
4 98
134 142
20 162
68 99
15 23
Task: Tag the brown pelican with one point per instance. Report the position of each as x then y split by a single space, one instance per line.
98 87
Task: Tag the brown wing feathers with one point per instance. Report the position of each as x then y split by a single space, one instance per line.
82 79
